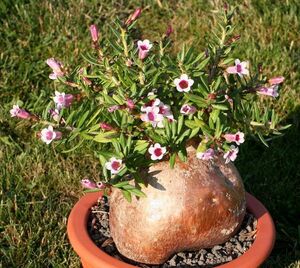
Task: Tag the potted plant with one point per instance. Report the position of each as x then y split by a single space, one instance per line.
166 130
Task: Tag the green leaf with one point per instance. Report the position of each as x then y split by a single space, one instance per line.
214 115
127 195
82 119
121 184
203 64
256 124
196 99
138 192
141 146
262 139
92 190
74 148
222 107
93 117
180 123
105 137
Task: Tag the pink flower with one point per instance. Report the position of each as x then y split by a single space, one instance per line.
86 183
231 155
164 109
114 165
240 68
106 126
276 80
144 48
153 116
130 104
183 84
156 151
207 155
94 33
152 103
56 67
48 135
16 111
269 91
238 137
113 108
62 100
188 109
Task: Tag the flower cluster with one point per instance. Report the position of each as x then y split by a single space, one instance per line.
155 111
140 104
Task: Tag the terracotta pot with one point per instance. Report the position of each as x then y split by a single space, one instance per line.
93 257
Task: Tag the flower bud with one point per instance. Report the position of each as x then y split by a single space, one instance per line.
106 126
94 33
276 80
133 16
130 104
169 31
113 108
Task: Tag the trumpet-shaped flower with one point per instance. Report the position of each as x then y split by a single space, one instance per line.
62 100
231 155
144 48
187 109
238 137
16 111
269 91
157 151
56 67
86 183
48 135
207 155
276 80
114 165
240 68
153 116
184 83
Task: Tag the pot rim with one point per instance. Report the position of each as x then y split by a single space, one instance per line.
91 254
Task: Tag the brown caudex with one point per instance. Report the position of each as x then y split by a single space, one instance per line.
198 204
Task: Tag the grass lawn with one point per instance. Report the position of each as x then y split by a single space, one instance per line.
39 185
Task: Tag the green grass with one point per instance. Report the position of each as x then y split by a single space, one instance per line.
39 185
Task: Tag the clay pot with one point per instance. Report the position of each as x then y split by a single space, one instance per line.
197 204
93 257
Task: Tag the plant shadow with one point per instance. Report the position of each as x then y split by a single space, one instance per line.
273 176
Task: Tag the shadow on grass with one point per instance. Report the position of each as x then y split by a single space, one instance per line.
273 176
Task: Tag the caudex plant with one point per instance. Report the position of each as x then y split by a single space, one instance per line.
134 103
165 128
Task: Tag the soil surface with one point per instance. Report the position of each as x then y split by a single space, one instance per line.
98 228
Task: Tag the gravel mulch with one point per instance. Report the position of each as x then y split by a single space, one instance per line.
98 227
